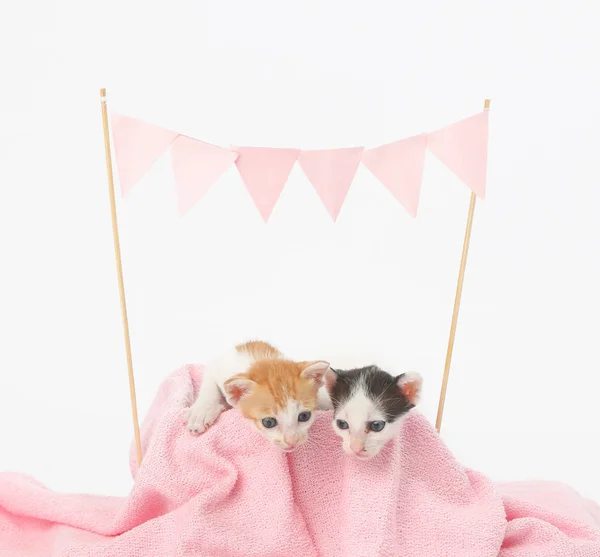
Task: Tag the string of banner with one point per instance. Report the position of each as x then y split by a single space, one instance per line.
197 166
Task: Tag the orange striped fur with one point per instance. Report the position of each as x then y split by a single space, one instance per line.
277 381
259 350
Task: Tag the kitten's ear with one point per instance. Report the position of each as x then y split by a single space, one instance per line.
331 378
410 385
237 388
314 371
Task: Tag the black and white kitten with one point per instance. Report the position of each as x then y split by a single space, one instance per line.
369 406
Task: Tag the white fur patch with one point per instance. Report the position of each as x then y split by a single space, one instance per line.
210 401
230 364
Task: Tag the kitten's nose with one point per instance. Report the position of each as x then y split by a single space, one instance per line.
357 446
291 439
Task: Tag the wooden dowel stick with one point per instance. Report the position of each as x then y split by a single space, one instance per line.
115 229
459 287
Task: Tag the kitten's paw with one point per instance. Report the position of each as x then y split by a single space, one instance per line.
200 417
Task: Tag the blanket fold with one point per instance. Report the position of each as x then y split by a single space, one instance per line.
230 493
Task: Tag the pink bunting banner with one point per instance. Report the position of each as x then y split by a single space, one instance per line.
265 171
462 147
399 167
197 165
138 146
331 172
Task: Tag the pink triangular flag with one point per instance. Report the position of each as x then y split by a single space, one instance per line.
137 145
462 147
331 172
196 167
265 171
399 167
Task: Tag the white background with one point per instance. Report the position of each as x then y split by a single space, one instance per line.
523 396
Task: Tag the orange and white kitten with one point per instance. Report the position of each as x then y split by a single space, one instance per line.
277 395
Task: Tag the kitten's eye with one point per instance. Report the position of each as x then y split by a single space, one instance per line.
269 422
342 424
376 426
304 416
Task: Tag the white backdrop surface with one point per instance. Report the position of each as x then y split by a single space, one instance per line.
523 395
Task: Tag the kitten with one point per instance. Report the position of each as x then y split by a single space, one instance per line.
278 396
369 406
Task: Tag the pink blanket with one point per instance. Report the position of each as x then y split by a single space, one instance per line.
229 493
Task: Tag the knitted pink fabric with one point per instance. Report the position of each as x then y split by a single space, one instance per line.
229 493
